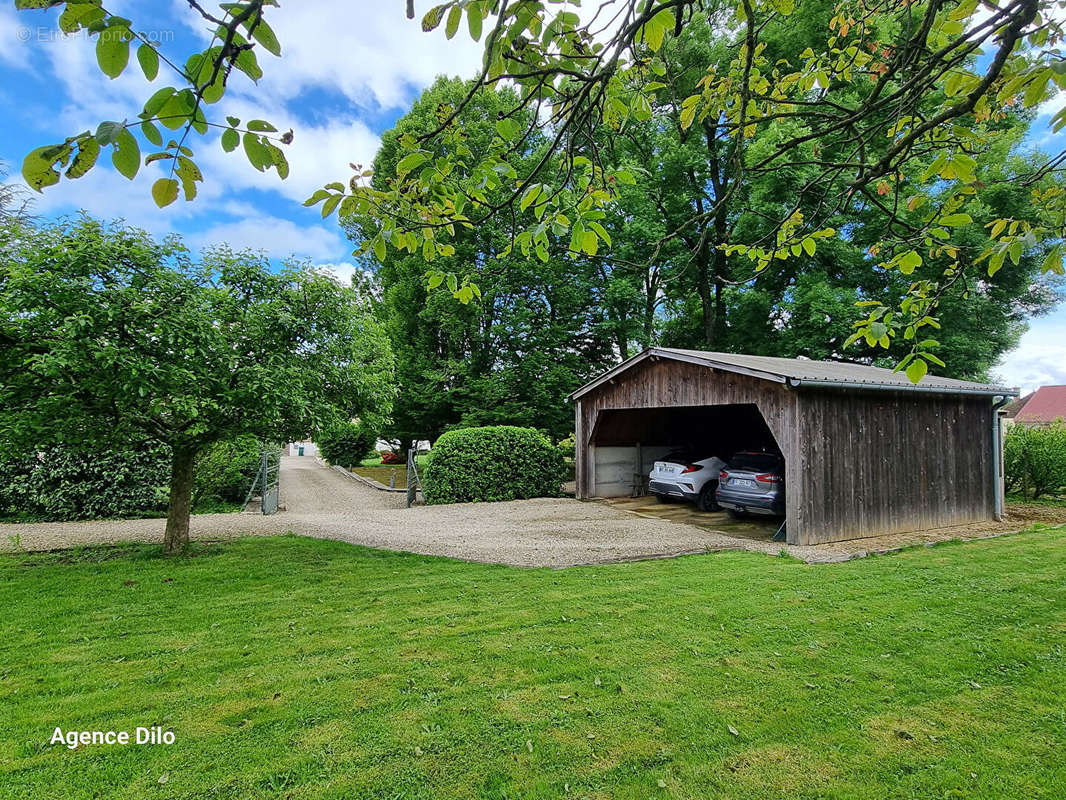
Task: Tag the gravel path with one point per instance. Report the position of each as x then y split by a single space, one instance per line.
546 532
320 502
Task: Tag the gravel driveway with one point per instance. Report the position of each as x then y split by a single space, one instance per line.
320 502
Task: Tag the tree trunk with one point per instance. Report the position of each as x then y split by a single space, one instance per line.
176 539
705 288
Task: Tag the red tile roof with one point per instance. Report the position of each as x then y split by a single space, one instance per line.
1046 404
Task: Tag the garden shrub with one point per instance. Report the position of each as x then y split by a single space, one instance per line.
15 485
70 483
63 483
346 444
1034 459
568 450
494 463
226 470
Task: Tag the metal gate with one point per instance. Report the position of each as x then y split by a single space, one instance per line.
267 481
414 481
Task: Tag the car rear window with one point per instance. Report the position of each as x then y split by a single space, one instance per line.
679 456
757 461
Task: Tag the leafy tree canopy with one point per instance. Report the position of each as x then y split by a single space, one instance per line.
537 332
113 339
848 115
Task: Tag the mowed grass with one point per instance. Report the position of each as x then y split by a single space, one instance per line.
296 668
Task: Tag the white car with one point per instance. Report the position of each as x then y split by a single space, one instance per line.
680 476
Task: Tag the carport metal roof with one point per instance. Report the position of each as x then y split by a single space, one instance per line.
804 372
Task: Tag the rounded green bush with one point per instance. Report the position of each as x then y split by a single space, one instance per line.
494 463
346 444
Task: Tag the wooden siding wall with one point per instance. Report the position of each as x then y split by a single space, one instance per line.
879 462
856 463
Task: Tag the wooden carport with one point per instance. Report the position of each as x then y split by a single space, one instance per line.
866 452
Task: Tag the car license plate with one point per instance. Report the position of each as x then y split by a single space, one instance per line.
742 482
666 469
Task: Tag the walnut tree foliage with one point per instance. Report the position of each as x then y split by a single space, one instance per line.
578 69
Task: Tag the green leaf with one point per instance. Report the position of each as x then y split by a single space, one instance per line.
261 126
529 196
454 18
230 140
148 58
380 250
113 50
410 161
473 20
330 205
156 102
165 191
248 63
107 131
264 34
916 370
258 156
127 154
956 220
189 174
655 29
318 196
909 262
507 128
151 133
432 18
601 232
88 152
175 111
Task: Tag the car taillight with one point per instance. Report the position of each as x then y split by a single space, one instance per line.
723 475
692 468
768 478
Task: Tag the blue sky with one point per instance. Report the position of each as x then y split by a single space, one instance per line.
349 70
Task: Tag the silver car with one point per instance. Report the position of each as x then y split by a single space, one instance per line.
753 482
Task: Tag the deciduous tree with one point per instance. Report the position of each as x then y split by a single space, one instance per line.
113 339
573 74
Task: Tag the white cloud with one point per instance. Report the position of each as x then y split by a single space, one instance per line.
277 237
340 272
360 56
1040 358
317 155
367 51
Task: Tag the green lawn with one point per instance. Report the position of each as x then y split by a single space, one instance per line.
383 474
296 668
375 461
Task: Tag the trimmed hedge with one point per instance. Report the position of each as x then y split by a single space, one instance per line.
346 444
67 483
72 483
499 462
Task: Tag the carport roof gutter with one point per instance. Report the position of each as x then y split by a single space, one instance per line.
794 372
990 391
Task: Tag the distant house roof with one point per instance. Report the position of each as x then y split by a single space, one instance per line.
1046 404
1010 411
802 371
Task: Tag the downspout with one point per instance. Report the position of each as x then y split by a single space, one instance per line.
997 456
